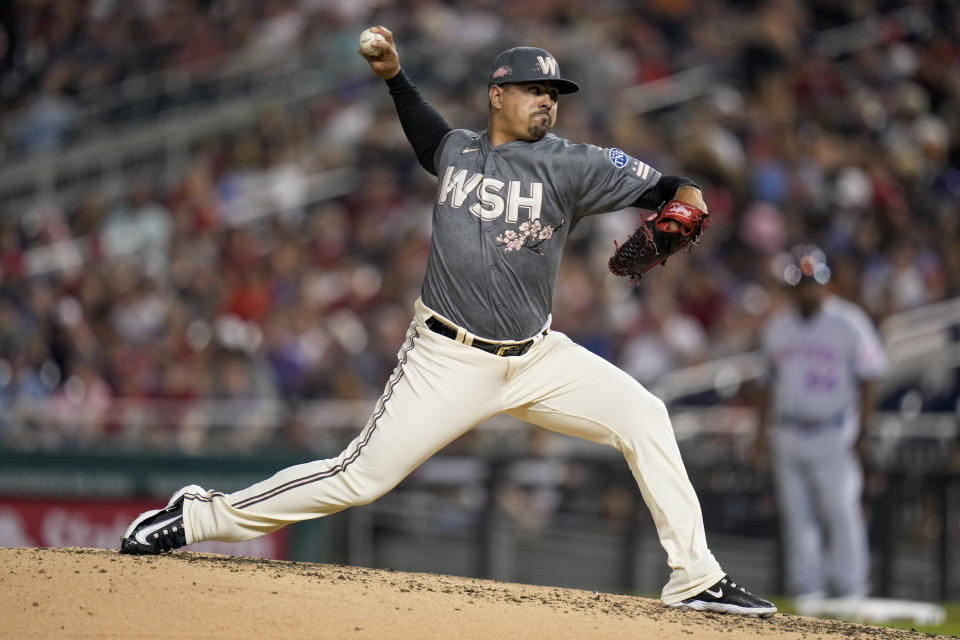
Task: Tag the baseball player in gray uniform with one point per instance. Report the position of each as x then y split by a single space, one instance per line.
822 356
480 342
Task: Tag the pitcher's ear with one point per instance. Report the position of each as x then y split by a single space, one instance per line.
496 96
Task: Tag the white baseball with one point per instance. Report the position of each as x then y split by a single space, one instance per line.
372 43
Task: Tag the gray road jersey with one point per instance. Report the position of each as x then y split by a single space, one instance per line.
814 364
500 220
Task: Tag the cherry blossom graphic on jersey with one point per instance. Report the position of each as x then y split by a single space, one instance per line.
531 236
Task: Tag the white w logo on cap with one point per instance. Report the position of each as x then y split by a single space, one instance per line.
547 65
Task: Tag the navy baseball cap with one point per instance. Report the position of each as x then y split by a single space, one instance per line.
529 64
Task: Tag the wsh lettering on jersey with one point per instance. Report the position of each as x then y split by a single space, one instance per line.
491 197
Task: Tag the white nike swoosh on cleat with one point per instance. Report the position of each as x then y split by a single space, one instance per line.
469 150
718 594
141 536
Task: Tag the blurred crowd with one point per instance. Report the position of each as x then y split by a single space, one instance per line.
808 130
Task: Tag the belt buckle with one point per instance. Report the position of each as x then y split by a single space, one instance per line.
519 347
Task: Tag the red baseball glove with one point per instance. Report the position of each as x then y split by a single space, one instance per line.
677 225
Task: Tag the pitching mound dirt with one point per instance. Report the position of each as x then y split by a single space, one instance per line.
60 593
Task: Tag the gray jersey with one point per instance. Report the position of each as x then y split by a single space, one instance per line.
501 217
816 363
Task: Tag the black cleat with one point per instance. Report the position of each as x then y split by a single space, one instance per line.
159 530
727 596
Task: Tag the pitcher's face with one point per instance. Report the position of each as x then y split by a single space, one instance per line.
527 110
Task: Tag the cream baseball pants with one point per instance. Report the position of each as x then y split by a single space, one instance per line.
441 389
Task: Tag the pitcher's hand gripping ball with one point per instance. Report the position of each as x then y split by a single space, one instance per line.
372 43
677 225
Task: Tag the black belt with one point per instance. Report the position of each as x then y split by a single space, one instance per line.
496 348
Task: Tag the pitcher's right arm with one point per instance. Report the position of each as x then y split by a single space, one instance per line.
423 126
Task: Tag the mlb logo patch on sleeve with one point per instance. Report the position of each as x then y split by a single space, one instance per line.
618 158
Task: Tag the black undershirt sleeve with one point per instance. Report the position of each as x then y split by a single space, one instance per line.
663 191
423 126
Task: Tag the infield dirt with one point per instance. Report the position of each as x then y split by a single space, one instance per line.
93 593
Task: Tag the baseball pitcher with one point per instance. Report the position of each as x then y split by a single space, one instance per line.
480 342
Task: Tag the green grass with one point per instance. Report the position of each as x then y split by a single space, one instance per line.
950 627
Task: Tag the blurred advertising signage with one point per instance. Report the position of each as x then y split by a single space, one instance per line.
101 523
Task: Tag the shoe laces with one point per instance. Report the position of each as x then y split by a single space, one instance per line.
172 537
734 585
